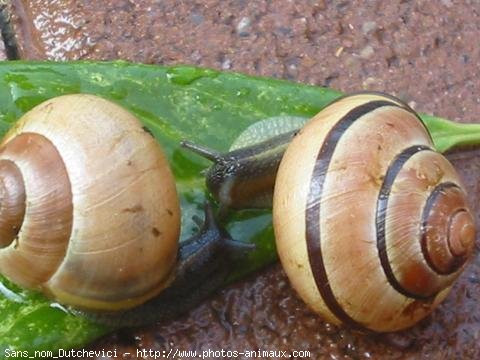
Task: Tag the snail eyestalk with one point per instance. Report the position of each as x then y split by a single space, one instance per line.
201 150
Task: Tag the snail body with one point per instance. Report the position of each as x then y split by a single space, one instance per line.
374 227
91 215
244 176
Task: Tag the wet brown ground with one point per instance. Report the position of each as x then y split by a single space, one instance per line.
425 52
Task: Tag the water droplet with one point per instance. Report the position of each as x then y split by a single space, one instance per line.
243 92
97 77
186 75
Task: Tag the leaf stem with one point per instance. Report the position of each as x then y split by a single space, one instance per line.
447 134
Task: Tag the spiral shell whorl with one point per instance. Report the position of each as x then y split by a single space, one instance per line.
12 202
356 226
100 232
44 229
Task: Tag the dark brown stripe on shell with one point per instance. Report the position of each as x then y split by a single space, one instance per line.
381 215
387 97
313 208
432 198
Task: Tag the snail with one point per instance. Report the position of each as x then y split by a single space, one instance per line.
372 225
90 216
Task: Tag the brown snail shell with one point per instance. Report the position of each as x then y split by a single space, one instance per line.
89 212
372 225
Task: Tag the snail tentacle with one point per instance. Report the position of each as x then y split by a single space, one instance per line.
201 150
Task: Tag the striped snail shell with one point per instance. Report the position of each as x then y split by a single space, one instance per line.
89 211
372 225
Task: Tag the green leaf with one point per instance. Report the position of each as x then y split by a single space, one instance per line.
448 135
201 105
